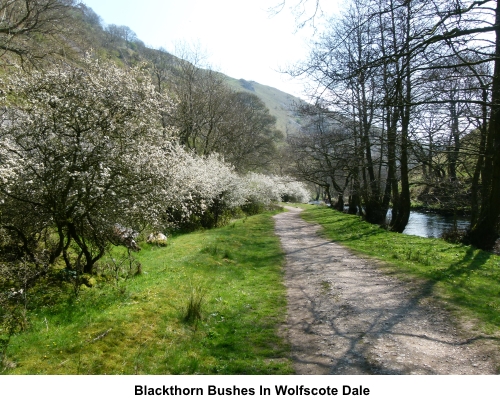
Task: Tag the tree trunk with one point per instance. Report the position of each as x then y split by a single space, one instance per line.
454 147
400 220
339 205
485 232
478 170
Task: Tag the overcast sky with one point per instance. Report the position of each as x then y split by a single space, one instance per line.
240 38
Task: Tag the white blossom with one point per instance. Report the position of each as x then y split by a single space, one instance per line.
85 148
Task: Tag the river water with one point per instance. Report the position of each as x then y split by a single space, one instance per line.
431 225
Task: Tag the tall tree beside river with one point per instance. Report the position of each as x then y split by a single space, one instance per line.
403 44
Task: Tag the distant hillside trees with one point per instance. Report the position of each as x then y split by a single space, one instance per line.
324 154
120 33
212 118
209 117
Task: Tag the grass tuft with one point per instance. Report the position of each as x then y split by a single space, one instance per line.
193 309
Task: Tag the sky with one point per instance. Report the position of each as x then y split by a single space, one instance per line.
239 38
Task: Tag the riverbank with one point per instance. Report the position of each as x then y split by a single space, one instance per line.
465 279
432 223
460 211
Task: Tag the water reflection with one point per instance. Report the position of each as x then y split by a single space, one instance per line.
430 225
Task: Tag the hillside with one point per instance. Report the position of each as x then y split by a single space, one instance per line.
278 102
121 45
80 30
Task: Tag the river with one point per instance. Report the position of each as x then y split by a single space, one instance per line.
431 225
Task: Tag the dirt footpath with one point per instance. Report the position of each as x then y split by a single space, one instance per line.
345 316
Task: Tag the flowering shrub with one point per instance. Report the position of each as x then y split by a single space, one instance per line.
262 189
293 191
84 148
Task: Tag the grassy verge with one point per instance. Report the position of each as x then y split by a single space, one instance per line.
209 303
466 278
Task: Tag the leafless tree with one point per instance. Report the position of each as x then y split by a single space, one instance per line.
26 26
404 46
212 118
323 154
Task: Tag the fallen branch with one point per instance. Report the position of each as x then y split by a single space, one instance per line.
101 336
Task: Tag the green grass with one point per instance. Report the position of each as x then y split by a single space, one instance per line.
465 278
210 302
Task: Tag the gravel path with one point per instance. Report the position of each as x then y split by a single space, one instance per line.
345 316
